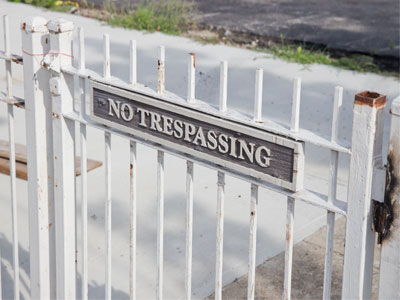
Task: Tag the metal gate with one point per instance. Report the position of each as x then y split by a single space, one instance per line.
60 96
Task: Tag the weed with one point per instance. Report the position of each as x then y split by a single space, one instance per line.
170 17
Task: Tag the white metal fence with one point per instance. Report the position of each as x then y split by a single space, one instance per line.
53 86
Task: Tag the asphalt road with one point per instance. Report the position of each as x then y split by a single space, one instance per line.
368 26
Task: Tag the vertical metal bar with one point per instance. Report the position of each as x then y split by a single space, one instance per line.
161 69
106 54
296 105
189 193
62 88
252 242
38 127
258 96
333 170
368 116
289 248
133 179
221 191
220 235
81 46
107 142
160 223
132 62
191 77
160 188
11 136
223 81
1 290
189 229
83 144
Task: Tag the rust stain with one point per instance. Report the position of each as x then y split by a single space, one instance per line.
194 59
287 232
252 213
17 59
384 213
23 26
370 98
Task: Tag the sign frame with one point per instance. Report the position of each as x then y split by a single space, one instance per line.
201 115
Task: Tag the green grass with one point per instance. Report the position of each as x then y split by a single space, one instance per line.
306 55
170 17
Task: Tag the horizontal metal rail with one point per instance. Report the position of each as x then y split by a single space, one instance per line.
12 57
266 125
304 195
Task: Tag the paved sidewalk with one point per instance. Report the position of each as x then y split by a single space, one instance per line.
308 271
369 26
365 26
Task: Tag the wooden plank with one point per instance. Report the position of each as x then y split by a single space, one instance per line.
21 161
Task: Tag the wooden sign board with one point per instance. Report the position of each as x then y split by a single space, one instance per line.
233 145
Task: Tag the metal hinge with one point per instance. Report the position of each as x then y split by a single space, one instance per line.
383 218
383 210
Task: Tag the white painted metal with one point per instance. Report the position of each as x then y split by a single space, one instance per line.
81 51
132 201
296 105
160 188
106 53
389 279
287 287
258 96
353 249
61 88
189 229
191 78
189 192
133 189
132 62
11 137
266 125
304 195
160 224
360 238
38 125
84 211
83 152
1 264
161 69
221 191
223 88
333 170
107 144
220 235
107 150
252 242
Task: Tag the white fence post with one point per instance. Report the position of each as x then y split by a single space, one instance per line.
360 239
38 124
389 279
61 88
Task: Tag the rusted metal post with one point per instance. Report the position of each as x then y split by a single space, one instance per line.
389 279
368 118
